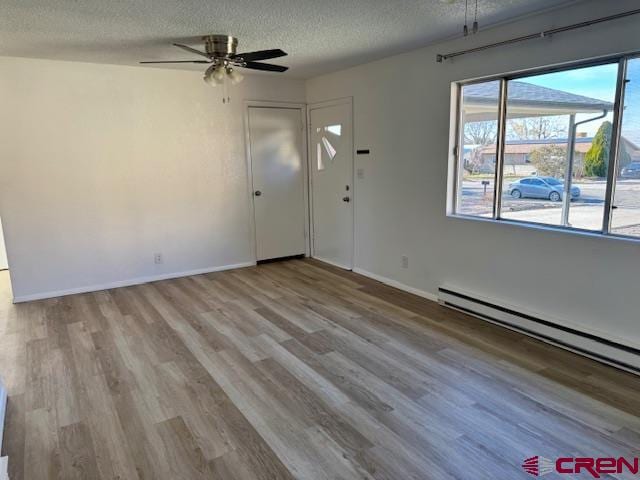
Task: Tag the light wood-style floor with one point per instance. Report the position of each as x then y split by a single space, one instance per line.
292 370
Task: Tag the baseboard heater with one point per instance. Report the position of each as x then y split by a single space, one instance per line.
594 346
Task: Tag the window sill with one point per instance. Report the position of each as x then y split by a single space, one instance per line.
549 228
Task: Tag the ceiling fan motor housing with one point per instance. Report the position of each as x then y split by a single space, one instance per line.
220 45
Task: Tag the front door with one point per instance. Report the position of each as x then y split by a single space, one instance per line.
275 139
332 183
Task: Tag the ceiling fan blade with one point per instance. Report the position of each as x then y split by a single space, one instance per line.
261 55
268 67
179 61
192 50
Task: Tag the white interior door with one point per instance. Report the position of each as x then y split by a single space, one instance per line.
275 136
332 183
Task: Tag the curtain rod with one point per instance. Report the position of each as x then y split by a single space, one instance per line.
544 33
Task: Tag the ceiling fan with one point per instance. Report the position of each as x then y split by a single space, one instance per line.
220 54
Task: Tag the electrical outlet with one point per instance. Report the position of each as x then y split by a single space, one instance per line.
157 258
405 261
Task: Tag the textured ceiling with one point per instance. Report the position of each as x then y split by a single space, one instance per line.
320 35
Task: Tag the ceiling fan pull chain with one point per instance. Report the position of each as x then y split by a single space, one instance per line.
475 20
465 29
225 90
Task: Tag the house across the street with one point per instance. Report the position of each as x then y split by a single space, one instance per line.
517 153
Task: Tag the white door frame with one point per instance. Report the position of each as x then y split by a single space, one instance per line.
331 103
305 168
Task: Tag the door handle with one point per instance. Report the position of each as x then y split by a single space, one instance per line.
257 193
346 199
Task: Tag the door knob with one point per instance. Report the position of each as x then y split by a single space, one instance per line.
257 193
346 199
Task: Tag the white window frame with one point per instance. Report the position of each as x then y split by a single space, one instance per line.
457 145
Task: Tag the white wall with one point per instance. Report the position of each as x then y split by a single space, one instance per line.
402 113
103 166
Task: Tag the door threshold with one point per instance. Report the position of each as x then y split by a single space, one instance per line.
280 259
335 264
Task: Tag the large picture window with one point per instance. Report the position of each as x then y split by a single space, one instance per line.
553 148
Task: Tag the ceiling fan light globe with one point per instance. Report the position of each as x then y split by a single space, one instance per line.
235 77
209 80
218 74
208 76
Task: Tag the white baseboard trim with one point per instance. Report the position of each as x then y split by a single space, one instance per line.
127 283
4 468
3 410
397 284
